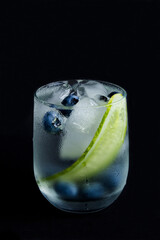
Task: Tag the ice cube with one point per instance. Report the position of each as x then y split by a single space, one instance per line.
59 91
92 89
78 89
80 128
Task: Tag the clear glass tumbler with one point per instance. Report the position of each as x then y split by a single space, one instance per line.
80 144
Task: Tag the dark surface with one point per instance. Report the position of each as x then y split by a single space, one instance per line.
44 41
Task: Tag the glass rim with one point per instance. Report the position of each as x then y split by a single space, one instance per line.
58 106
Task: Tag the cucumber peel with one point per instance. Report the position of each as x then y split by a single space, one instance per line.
103 148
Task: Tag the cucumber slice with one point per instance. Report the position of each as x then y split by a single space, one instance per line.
103 148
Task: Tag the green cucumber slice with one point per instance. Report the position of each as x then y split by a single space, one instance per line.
103 148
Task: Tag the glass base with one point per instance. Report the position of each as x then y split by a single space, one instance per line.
83 207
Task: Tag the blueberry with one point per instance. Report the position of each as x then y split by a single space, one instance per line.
93 191
70 100
52 122
113 181
111 94
66 190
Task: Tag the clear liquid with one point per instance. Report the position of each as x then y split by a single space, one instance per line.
91 194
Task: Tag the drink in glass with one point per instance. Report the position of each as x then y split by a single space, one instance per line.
80 144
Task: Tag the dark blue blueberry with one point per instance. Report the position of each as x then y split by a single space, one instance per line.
52 122
113 181
70 100
93 191
111 94
66 190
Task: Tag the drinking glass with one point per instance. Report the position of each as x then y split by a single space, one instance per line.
80 144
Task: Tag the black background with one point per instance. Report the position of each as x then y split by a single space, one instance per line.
44 41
